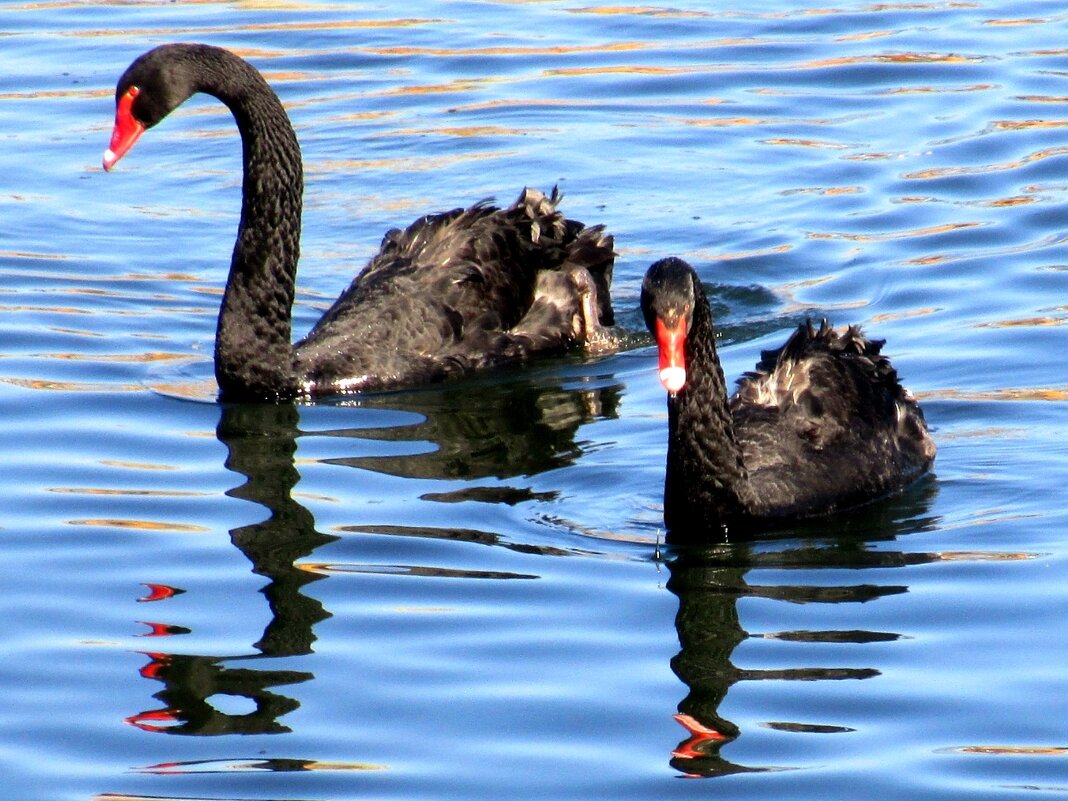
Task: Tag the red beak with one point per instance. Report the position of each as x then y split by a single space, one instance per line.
126 131
672 344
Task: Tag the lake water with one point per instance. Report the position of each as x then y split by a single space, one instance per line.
462 592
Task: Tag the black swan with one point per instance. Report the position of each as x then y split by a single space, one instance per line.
452 293
822 424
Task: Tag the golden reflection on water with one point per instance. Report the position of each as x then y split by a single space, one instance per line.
640 11
752 122
750 254
531 103
887 58
1001 394
906 314
128 492
139 525
137 465
25 254
1010 750
114 358
937 90
1023 125
506 50
889 235
987 556
191 390
623 69
1043 98
1018 200
413 164
77 332
458 85
23 308
667 11
827 191
1026 322
69 386
286 27
946 172
464 132
944 258
1021 21
816 143
866 36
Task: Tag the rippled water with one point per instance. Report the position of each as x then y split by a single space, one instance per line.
459 592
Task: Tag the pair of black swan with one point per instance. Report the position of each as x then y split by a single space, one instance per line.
822 424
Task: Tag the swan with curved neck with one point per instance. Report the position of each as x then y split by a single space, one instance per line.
822 424
452 293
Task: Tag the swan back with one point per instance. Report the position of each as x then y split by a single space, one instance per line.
824 423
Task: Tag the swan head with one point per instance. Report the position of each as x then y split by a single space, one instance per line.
667 303
155 84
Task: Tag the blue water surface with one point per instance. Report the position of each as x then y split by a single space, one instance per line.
462 592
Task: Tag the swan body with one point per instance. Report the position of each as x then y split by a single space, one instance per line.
822 424
454 292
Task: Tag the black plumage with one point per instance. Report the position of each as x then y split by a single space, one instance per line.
822 423
453 292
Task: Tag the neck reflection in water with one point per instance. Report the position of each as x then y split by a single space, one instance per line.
709 583
261 440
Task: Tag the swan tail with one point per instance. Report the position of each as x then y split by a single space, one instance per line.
810 344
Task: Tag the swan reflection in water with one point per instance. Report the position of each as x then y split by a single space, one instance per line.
490 428
710 580
508 429
261 440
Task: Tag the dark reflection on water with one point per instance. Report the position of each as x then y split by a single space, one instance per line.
503 429
487 429
471 536
857 521
261 440
709 581
190 680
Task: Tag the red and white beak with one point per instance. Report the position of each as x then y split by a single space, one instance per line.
672 344
126 131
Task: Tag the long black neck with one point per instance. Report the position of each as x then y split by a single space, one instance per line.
706 483
253 350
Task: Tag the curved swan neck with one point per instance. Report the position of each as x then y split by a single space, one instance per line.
253 350
706 478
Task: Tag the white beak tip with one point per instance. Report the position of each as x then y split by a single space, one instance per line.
673 378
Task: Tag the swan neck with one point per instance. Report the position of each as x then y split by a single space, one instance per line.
706 482
253 344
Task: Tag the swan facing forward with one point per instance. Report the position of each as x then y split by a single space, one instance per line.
822 424
452 293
